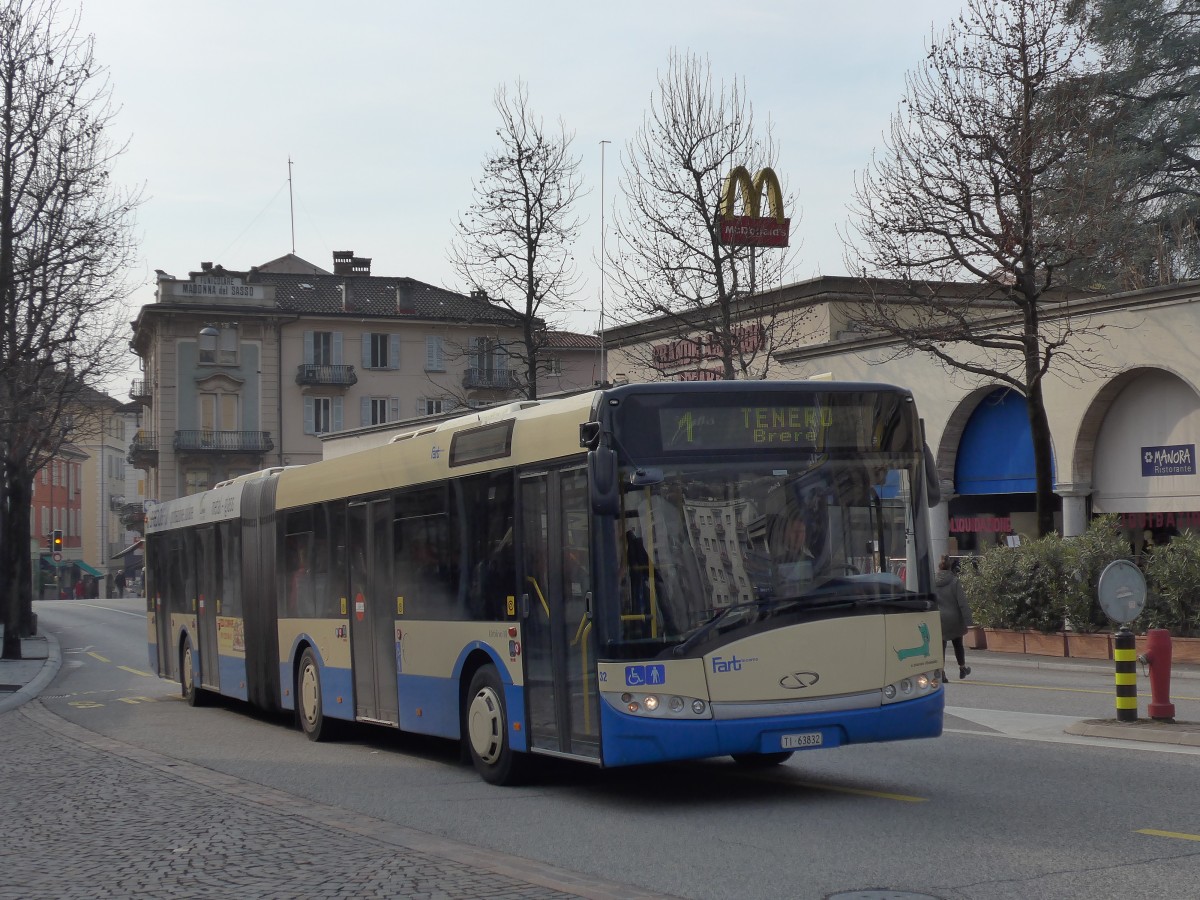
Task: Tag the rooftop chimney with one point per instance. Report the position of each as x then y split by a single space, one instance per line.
346 263
205 267
479 294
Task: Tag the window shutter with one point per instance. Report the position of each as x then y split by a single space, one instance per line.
393 409
367 341
337 348
393 351
308 348
433 353
365 412
337 413
309 416
420 406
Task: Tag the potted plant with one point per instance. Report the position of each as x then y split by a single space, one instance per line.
1088 629
1173 596
992 605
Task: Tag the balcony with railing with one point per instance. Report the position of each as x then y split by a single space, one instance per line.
139 391
495 379
337 376
143 450
203 441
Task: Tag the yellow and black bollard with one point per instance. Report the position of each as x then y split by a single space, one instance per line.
1125 659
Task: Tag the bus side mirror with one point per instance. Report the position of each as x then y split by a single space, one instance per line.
933 486
602 476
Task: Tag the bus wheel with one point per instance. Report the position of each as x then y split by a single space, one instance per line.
309 709
487 731
762 760
192 693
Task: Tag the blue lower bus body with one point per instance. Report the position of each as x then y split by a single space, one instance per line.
625 739
632 740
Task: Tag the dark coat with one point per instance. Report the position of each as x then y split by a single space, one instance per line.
952 604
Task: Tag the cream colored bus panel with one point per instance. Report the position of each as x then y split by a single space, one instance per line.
546 431
432 648
841 656
684 677
914 644
334 648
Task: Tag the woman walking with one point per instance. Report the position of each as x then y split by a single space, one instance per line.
955 612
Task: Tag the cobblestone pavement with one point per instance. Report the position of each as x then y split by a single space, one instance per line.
85 816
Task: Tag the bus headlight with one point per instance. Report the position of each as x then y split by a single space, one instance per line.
912 687
658 706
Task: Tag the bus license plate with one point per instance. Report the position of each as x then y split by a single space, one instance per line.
797 741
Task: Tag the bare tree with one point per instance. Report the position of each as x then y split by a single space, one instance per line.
995 174
669 263
65 239
514 244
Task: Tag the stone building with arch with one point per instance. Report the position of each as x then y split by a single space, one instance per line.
1124 431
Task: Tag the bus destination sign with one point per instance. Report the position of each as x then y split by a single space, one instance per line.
747 427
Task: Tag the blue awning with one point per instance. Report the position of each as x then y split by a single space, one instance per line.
995 453
84 567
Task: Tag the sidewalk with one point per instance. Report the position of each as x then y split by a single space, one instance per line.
1185 734
23 679
90 816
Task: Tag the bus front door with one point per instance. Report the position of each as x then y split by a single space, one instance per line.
563 712
372 611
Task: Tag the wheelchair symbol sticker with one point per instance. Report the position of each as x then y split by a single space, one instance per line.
641 676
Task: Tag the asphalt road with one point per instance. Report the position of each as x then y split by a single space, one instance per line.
986 811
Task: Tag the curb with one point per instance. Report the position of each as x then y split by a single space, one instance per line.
1185 734
44 676
1065 664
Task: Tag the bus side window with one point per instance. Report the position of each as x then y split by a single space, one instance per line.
298 576
487 502
425 566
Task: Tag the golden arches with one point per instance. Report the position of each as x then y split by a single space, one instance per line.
752 191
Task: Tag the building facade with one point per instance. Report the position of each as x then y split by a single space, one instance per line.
247 370
1124 429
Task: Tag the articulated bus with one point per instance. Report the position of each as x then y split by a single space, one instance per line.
637 574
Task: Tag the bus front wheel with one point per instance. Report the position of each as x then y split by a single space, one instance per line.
309 707
487 731
192 692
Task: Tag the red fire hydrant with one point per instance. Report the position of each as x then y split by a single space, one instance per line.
1158 658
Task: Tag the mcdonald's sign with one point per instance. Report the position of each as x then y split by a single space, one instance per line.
752 229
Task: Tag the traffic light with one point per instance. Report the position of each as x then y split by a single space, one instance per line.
56 540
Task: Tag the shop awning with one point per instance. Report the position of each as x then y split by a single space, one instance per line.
995 452
84 567
132 548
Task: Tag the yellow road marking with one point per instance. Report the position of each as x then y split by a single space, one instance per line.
98 656
1041 687
1179 835
136 671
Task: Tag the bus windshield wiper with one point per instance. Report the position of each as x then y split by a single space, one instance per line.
813 600
710 626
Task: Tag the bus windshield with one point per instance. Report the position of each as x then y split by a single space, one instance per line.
727 539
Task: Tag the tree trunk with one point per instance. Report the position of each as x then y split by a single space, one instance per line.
1043 458
16 607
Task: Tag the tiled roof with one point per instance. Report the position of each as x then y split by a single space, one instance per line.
371 295
572 340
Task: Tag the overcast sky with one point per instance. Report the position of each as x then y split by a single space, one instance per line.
386 110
